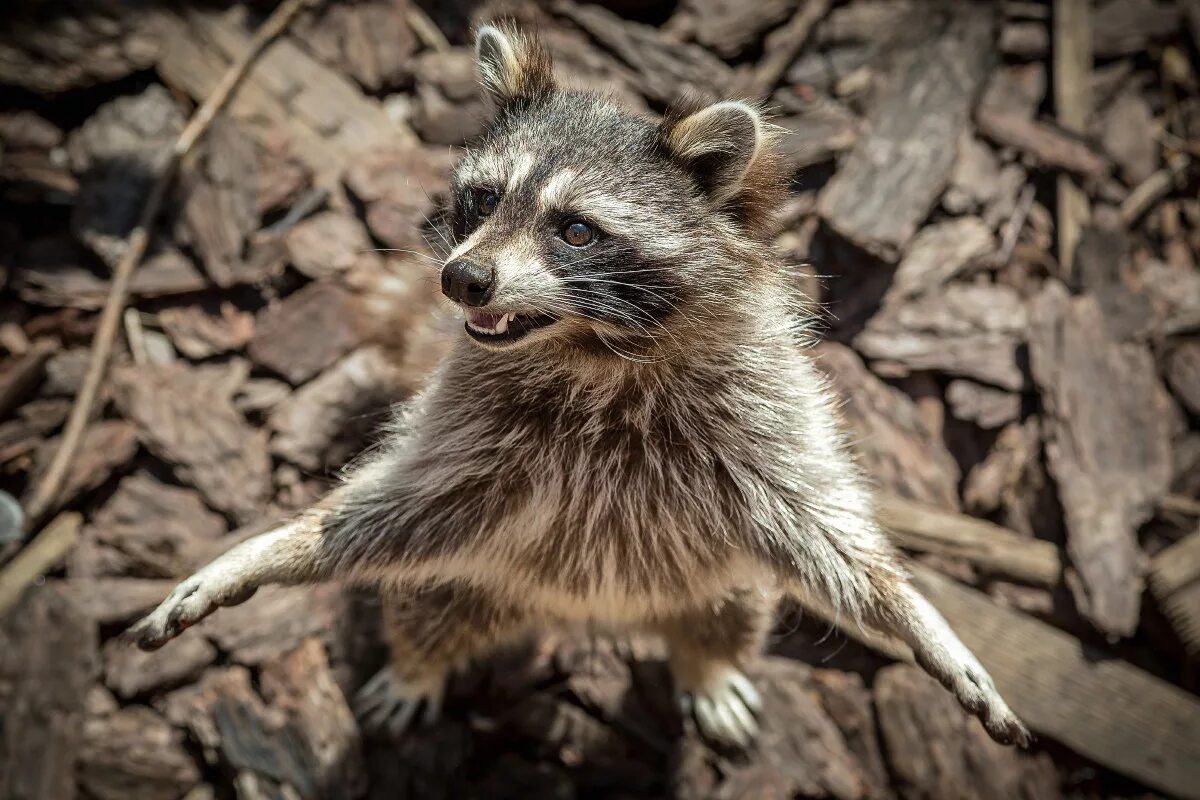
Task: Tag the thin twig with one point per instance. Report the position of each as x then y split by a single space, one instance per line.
1153 189
38 558
1012 230
47 491
430 35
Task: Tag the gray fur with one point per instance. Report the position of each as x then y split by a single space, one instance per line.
664 456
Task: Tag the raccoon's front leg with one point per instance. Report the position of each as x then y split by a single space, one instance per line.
709 649
850 565
287 554
431 633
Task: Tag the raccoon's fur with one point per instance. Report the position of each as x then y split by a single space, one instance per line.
629 431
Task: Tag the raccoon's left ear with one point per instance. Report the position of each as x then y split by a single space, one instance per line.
512 65
717 144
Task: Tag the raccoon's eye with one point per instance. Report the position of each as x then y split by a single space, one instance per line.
578 234
485 203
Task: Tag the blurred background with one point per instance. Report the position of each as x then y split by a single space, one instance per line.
995 211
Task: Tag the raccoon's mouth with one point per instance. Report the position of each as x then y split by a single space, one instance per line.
484 326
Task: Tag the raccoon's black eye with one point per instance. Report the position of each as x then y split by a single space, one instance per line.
485 203
578 234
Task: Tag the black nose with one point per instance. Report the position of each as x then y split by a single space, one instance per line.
468 282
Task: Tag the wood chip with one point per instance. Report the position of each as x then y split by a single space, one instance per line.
938 253
936 750
895 173
970 330
985 406
329 243
1109 451
308 331
327 421
83 43
108 601
134 754
896 447
106 447
198 334
1183 374
148 529
118 153
298 739
728 27
130 672
273 622
401 189
1175 581
46 665
188 419
369 40
666 71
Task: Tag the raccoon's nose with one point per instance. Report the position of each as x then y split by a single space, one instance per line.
468 282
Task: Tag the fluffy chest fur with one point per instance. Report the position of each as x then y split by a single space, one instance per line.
605 497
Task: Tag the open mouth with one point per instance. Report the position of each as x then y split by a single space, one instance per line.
484 326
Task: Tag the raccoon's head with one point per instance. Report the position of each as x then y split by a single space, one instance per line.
577 222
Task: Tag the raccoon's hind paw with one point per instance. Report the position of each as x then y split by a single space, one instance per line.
726 711
388 704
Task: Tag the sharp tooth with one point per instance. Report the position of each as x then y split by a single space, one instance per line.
502 323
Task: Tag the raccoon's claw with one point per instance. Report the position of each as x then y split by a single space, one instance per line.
387 704
726 712
190 601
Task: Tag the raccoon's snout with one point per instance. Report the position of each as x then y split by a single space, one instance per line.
468 283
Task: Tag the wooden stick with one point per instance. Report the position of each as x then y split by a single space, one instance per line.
430 35
46 493
38 558
1153 189
1072 72
926 529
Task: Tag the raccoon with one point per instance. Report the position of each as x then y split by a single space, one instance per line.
627 433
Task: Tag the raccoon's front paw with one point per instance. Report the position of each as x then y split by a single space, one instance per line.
974 689
389 704
725 710
190 602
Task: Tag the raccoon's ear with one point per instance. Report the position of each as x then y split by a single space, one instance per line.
512 65
717 144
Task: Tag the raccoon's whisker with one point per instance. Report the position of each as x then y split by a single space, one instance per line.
416 253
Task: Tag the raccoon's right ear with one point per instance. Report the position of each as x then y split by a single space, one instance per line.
717 144
512 65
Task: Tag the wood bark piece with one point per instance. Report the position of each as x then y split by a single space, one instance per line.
985 406
329 243
134 754
329 120
111 600
369 40
52 47
308 331
52 274
47 663
118 154
146 529
938 253
937 751
198 334
816 130
401 188
666 71
1103 268
969 330
780 50
38 558
898 169
728 27
188 420
449 106
848 703
326 422
1047 144
896 446
221 205
1130 137
273 622
1183 374
297 739
1012 480
801 751
20 376
927 529
105 447
1175 581
1108 440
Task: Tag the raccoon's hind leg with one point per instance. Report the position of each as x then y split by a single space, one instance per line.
709 649
431 633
